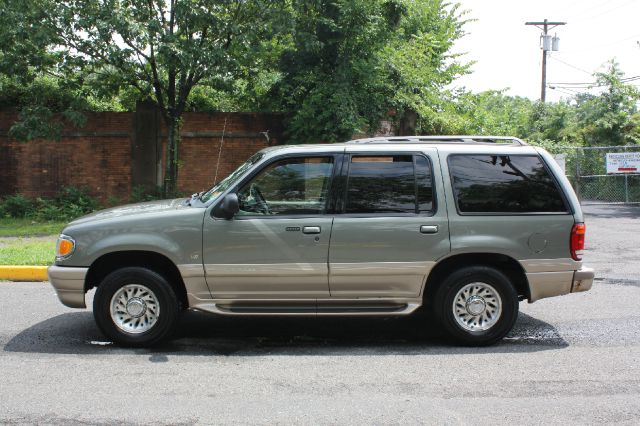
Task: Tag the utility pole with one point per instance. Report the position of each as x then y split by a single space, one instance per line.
548 43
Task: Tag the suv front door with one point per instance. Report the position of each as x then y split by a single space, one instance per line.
391 228
277 246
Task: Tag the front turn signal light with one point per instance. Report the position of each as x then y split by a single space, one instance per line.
65 247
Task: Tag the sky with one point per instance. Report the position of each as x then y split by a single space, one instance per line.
508 55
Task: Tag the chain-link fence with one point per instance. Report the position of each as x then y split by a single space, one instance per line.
586 168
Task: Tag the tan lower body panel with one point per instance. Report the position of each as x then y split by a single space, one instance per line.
378 279
268 281
194 281
314 280
69 284
556 277
549 284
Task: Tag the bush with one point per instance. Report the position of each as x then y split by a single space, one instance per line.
69 204
76 200
143 193
17 206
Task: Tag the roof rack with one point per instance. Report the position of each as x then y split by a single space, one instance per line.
442 139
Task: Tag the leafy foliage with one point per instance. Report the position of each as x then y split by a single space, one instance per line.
161 48
349 62
142 193
67 205
337 67
608 119
17 206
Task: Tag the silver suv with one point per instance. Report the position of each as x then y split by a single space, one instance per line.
463 226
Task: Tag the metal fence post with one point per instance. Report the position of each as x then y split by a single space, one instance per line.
626 188
626 184
578 174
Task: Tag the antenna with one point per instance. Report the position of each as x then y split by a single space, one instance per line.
224 128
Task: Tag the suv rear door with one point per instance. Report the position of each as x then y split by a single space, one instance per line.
391 223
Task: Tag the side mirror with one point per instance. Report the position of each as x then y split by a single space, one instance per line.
228 207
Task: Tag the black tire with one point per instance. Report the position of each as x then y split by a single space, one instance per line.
161 291
490 279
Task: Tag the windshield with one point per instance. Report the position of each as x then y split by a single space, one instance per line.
225 183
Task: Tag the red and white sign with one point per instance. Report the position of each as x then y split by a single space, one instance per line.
623 162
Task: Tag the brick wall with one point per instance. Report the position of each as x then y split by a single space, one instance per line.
96 156
99 155
200 145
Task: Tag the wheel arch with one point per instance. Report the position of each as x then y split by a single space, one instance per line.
506 264
154 261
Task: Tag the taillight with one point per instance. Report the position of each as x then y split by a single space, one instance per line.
577 240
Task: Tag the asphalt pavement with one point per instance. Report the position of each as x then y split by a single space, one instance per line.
569 360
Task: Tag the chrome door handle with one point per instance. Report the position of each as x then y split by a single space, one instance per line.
310 229
429 229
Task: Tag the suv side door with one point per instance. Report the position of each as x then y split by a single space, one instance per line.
277 246
391 225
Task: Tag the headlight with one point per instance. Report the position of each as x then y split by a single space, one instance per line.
65 247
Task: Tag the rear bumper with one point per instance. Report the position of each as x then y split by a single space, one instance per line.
69 284
550 284
582 280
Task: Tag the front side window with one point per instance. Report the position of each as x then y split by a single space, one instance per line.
222 186
504 184
389 184
293 186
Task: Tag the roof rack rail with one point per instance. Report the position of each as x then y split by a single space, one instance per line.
442 139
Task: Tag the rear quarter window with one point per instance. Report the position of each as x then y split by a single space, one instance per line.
508 184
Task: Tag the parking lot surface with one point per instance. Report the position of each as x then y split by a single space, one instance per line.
572 360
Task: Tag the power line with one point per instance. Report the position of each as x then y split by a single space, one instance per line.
569 65
586 85
561 91
597 15
613 43
589 10
570 7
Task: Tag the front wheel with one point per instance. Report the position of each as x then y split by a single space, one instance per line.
135 307
476 305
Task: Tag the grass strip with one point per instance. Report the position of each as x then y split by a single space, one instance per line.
28 228
21 251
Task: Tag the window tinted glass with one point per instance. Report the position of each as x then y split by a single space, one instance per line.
423 182
231 179
503 184
290 186
388 184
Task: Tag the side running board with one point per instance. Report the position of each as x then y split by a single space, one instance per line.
308 309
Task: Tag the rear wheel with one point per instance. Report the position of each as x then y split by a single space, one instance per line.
476 305
135 307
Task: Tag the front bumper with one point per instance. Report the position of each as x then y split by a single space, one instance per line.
69 284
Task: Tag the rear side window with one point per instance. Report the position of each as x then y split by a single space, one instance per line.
504 184
389 184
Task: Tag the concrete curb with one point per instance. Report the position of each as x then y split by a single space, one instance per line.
23 273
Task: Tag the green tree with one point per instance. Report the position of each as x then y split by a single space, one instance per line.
553 121
486 113
163 49
609 118
418 64
351 61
